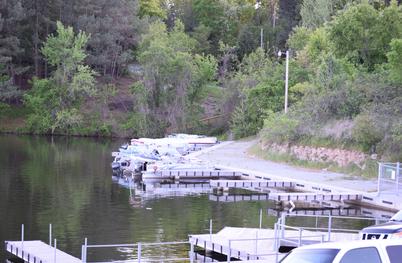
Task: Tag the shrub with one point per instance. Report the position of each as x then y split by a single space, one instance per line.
280 128
365 132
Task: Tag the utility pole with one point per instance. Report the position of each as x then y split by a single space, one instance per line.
286 81
262 38
286 78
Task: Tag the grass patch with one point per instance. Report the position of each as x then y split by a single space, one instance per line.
369 169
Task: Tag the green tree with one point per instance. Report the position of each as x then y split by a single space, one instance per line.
395 60
175 80
115 30
59 97
11 19
152 8
363 34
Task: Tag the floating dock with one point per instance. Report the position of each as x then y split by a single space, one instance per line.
191 174
37 251
299 197
251 184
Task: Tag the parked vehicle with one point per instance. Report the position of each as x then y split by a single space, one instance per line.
390 230
361 251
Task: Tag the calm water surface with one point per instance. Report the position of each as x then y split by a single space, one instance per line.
67 182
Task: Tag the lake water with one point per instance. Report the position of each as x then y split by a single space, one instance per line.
67 182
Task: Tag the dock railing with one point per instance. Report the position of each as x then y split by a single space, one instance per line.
281 224
389 178
139 249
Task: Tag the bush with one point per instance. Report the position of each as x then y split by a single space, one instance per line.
365 132
280 128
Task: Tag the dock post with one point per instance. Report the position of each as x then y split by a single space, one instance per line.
210 230
139 252
397 177
230 250
191 252
82 253
85 250
379 179
260 218
329 227
50 234
55 250
22 236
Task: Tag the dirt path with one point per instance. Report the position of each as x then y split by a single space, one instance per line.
235 155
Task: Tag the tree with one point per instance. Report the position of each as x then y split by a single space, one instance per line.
115 31
395 60
59 97
12 14
315 13
152 8
175 80
363 34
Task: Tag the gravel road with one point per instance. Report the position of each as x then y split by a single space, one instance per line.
234 154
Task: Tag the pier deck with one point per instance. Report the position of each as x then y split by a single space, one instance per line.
37 251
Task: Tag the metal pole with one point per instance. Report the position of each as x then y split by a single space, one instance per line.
191 252
82 253
50 234
210 230
139 253
85 249
55 250
397 177
379 179
262 38
286 81
329 227
22 236
260 218
230 250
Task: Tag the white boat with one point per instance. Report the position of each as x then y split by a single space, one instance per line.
166 153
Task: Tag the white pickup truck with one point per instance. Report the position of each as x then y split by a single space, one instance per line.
362 251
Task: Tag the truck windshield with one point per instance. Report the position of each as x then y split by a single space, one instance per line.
311 256
397 217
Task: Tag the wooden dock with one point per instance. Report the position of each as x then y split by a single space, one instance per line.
37 251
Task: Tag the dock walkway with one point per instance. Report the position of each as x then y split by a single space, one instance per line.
36 251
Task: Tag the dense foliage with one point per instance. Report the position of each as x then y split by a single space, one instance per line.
146 68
